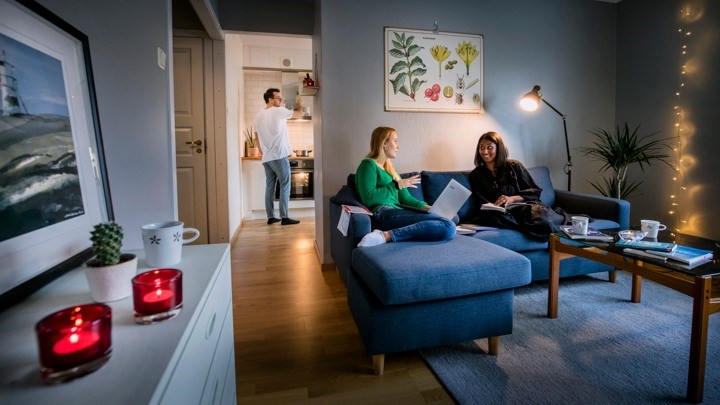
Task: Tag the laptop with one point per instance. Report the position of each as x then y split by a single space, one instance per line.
450 200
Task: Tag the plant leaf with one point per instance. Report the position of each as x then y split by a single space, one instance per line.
409 40
416 63
418 72
396 53
397 44
416 84
400 65
404 91
413 49
399 81
397 36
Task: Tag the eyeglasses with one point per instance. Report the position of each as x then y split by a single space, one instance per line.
278 98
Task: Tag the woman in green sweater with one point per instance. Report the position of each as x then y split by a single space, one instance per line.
383 191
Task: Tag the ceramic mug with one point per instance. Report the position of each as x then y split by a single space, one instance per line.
580 225
163 242
651 227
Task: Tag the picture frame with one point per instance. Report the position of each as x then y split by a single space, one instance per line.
54 184
432 71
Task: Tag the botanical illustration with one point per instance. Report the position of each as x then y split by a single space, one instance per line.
39 183
457 90
407 69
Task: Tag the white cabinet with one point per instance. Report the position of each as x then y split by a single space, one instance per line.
188 359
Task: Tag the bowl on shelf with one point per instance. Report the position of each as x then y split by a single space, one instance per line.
631 235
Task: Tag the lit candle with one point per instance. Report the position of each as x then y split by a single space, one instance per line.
157 295
74 341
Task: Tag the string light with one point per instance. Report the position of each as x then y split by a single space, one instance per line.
676 197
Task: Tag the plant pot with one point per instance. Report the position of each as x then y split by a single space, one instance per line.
111 283
254 152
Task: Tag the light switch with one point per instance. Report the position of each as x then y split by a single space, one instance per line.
162 58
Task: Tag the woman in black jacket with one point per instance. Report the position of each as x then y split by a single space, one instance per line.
502 181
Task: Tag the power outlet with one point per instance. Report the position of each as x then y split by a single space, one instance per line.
162 58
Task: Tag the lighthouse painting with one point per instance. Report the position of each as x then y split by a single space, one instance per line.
39 183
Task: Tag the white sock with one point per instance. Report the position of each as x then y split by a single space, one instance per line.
374 238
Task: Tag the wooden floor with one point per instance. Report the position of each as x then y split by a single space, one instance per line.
295 340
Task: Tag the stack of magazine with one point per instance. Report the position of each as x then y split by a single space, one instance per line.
670 253
592 234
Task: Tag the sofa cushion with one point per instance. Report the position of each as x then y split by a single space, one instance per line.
510 239
433 183
346 196
541 175
401 273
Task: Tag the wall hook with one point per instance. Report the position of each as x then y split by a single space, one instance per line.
435 28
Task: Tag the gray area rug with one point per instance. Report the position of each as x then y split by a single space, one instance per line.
602 349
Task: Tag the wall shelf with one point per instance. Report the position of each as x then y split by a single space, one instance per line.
309 90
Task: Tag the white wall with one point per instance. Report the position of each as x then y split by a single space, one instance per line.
235 88
134 104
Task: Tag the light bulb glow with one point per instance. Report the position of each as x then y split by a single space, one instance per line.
528 104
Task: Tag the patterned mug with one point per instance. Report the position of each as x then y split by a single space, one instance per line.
163 242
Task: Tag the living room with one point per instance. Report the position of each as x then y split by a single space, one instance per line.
600 63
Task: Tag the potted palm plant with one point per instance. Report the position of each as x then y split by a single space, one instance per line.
619 150
110 272
251 143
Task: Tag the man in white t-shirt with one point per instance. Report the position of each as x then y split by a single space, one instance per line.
272 132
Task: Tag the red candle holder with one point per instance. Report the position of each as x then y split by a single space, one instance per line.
157 295
74 341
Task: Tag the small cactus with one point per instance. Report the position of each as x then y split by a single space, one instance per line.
107 240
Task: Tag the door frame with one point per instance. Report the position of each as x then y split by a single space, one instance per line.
215 135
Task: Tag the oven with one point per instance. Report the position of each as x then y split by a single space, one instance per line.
301 180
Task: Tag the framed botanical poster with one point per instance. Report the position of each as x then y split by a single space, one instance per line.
433 71
53 184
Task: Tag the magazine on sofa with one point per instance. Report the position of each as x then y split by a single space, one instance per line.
493 207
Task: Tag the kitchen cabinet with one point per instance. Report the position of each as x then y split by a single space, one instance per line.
188 359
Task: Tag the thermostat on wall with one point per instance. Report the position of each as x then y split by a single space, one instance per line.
162 58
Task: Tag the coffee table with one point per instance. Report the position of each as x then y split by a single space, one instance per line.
702 283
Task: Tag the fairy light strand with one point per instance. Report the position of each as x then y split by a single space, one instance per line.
678 186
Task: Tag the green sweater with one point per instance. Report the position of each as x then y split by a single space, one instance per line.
376 188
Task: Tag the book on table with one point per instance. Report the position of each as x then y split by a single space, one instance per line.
592 234
493 207
687 255
648 245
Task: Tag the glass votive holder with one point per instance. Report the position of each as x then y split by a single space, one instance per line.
74 341
157 295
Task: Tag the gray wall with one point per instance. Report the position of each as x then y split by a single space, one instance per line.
277 16
134 103
566 46
649 65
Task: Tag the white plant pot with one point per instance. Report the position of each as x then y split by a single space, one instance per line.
112 283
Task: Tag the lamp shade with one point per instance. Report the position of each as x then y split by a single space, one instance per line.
531 99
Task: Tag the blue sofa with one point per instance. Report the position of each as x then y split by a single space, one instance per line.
410 295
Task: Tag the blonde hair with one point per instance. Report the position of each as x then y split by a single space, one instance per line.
378 140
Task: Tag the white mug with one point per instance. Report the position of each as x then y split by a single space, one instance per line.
163 242
651 227
580 225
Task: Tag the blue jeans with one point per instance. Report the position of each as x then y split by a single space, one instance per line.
413 225
277 170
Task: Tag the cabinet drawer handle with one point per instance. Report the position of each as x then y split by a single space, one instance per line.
210 326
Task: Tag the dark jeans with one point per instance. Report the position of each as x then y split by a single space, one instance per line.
412 225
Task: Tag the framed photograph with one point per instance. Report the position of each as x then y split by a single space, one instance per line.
428 71
53 183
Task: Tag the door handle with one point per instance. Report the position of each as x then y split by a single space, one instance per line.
198 143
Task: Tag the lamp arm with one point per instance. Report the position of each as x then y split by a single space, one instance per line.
568 165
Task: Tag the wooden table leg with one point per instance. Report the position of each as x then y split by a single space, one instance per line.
612 275
553 280
636 294
698 339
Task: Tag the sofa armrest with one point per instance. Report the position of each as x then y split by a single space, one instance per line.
341 246
594 205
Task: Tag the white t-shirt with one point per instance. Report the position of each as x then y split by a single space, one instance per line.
272 131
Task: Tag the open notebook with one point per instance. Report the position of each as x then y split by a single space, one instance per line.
450 200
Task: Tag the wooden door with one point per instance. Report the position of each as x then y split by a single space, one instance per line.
190 140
